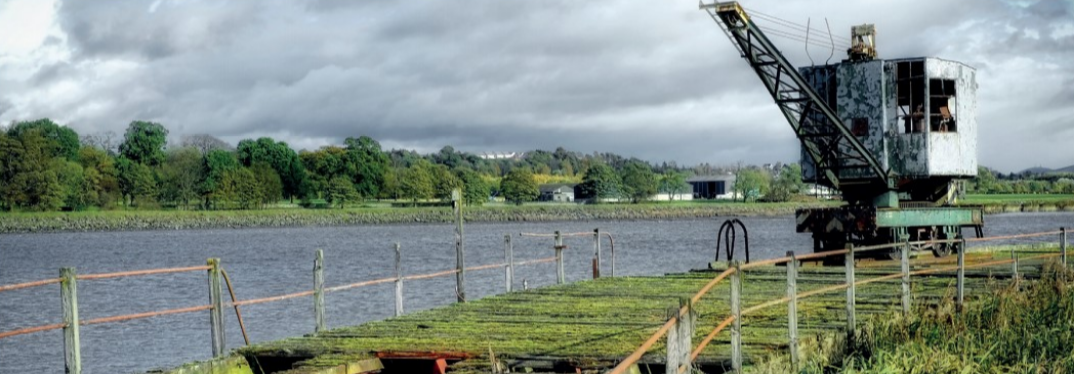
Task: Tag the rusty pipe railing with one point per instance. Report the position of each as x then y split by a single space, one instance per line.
636 355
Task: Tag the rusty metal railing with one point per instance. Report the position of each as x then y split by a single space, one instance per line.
679 365
68 281
596 235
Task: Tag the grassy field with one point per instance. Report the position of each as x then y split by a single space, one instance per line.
1025 327
1017 199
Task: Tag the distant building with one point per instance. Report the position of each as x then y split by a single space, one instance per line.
713 186
678 196
559 192
502 156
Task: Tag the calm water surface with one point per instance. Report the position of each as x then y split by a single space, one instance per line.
267 262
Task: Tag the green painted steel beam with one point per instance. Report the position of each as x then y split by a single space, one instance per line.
909 217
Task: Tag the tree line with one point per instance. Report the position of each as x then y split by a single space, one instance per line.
47 167
990 182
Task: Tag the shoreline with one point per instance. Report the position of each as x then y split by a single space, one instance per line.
134 220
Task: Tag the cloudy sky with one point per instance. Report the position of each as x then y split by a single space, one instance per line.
656 80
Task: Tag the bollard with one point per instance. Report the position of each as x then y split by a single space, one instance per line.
561 276
792 309
1063 245
850 294
318 292
398 281
72 350
509 258
960 291
906 278
216 314
736 312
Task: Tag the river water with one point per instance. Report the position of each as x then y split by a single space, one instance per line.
268 262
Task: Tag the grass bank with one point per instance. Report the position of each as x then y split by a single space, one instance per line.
1009 203
290 217
1025 327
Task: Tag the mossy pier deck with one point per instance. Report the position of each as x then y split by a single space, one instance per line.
590 326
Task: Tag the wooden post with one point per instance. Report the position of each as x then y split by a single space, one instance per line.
906 278
216 314
611 252
960 291
561 276
318 292
1014 265
792 309
736 312
398 281
679 342
460 254
596 253
72 350
850 295
509 258
1063 245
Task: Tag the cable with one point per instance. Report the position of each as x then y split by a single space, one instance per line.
798 38
770 18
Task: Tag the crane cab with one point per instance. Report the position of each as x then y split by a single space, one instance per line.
917 115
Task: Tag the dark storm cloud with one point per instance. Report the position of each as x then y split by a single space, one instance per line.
655 80
127 28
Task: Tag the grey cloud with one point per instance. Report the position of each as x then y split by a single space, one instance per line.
127 29
653 80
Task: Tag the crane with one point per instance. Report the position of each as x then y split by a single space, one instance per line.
897 138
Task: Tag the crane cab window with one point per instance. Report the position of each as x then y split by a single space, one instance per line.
910 95
942 105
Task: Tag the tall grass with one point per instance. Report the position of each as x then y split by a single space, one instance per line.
1025 327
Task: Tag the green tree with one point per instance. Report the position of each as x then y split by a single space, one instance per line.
391 187
62 141
416 183
77 193
370 163
519 186
639 182
788 184
101 171
29 181
269 183
751 183
444 181
136 181
181 176
673 183
1063 186
474 189
217 164
341 191
144 143
985 181
283 160
239 187
600 182
324 164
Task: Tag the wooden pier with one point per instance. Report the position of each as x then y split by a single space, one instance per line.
591 326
